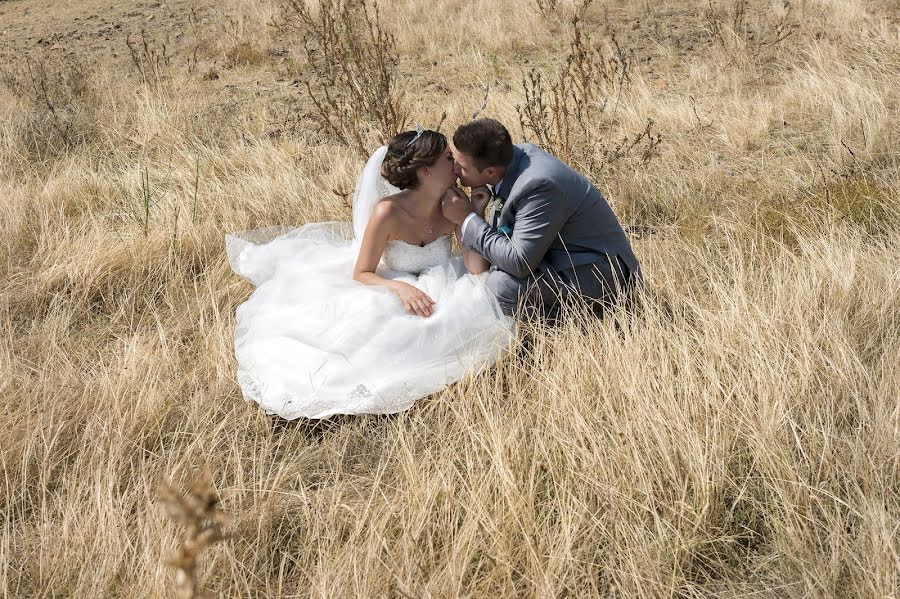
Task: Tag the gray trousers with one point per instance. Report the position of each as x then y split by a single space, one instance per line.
543 294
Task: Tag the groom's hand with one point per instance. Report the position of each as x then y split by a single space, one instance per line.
480 198
456 205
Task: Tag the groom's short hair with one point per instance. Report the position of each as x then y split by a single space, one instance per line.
487 141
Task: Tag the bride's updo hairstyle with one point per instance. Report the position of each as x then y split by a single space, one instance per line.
409 151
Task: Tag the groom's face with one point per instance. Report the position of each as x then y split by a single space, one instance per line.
469 174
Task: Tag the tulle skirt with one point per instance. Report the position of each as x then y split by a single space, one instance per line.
312 342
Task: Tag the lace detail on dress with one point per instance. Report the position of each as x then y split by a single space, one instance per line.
360 393
359 400
254 391
406 257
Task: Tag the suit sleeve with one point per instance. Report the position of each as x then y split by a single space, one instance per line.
539 218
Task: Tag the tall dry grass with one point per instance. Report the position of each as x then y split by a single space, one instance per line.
736 436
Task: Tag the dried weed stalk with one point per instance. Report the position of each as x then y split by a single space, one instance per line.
352 81
150 59
199 513
574 113
548 8
59 104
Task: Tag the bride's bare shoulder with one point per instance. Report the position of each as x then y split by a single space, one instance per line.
388 215
391 207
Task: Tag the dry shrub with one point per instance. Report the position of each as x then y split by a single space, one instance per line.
59 104
573 115
352 80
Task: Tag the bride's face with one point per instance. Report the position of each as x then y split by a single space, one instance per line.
442 170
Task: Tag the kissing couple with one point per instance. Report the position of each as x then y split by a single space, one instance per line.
369 316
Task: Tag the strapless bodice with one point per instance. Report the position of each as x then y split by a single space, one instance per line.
406 257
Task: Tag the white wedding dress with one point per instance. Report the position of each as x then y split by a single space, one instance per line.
312 342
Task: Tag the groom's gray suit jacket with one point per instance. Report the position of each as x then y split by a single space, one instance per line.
558 218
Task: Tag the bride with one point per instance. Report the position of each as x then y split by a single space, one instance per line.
369 318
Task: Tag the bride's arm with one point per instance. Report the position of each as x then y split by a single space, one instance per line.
475 263
372 248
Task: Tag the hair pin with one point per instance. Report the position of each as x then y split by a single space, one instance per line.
419 131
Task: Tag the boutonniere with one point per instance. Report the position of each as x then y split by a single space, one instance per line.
499 203
496 207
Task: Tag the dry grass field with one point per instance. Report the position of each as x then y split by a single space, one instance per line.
736 435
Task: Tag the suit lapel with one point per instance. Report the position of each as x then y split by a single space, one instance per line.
512 173
509 178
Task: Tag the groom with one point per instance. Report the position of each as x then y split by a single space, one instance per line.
551 235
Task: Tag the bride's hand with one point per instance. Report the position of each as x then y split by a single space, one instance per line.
414 300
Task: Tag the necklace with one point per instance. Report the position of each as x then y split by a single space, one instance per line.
428 226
